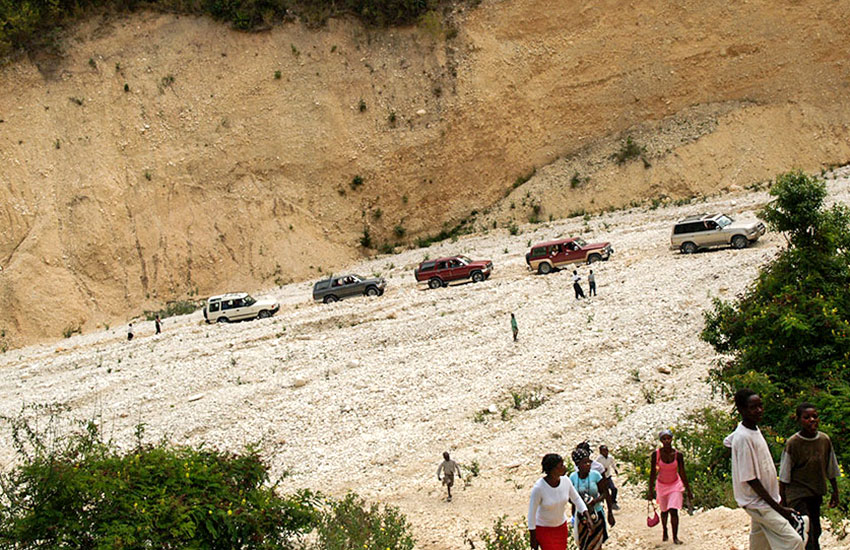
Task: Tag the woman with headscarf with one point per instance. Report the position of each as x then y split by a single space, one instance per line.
592 534
667 482
547 516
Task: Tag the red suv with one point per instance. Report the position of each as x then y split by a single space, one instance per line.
544 257
442 271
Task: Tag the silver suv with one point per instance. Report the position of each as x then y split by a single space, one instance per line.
706 230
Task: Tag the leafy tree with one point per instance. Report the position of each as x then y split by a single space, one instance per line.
788 336
79 491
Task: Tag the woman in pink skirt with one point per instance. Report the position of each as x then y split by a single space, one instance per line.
667 482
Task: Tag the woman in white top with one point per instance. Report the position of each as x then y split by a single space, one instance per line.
547 507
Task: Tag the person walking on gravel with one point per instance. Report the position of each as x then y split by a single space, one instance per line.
448 468
592 534
667 482
591 281
808 461
577 284
129 332
610 466
754 482
514 327
547 507
158 323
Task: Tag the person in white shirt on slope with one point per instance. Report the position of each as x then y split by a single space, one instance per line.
547 507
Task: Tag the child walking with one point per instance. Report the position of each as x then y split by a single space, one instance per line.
514 327
808 461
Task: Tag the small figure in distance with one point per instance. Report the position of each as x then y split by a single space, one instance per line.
448 468
591 281
667 481
755 484
547 525
808 461
610 465
577 285
158 322
514 327
129 332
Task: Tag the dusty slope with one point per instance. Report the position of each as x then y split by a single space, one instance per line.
365 394
209 174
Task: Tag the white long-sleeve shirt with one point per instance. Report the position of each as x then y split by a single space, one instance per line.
547 506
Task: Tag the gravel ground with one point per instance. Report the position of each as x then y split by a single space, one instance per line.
365 394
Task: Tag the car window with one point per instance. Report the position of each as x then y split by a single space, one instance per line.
580 242
537 252
464 260
215 306
238 302
249 301
723 221
227 304
692 227
356 278
710 224
426 266
441 265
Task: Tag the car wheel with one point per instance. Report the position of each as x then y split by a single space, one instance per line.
372 291
222 320
688 248
264 314
477 277
593 258
739 242
330 298
435 283
544 268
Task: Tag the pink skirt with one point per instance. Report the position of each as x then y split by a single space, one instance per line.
670 495
552 538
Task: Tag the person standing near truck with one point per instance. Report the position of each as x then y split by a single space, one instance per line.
577 284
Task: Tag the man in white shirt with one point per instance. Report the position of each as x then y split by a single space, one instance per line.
610 468
755 484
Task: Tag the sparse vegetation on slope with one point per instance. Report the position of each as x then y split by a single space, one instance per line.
30 24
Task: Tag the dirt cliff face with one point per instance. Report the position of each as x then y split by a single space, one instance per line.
161 157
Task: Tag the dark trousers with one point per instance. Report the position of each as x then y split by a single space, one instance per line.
612 489
810 506
592 290
579 291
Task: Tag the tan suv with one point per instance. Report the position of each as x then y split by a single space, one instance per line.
707 230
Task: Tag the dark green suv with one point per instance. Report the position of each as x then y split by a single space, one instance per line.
337 288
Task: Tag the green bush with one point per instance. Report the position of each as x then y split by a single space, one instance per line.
787 336
628 150
176 307
349 523
78 490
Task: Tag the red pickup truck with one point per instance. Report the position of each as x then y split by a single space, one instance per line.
442 271
544 257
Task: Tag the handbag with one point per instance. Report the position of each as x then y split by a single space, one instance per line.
653 520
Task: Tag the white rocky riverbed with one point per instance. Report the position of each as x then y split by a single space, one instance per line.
365 394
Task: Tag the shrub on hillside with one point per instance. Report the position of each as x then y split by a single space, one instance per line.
176 307
27 24
78 490
350 523
788 335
